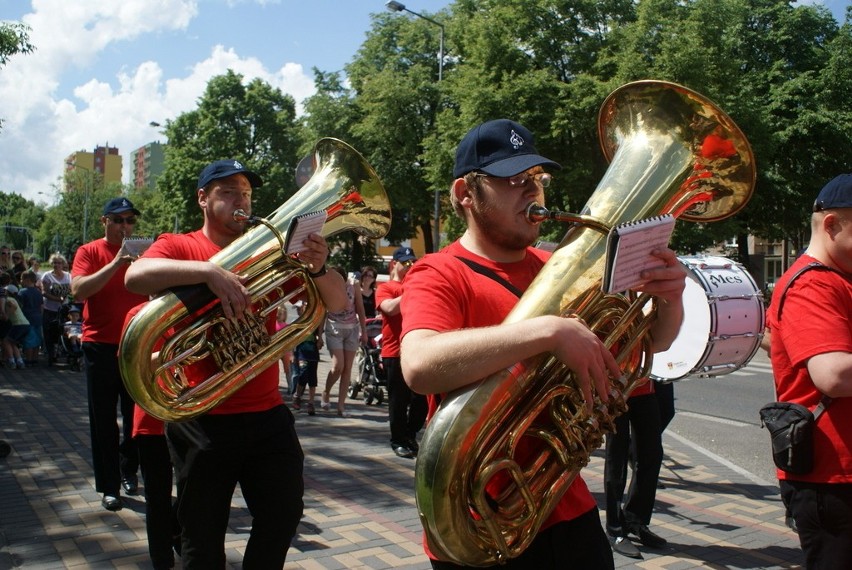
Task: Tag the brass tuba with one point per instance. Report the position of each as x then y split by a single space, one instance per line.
480 501
180 357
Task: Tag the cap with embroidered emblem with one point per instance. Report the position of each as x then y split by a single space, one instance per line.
225 168
501 148
119 206
403 254
836 194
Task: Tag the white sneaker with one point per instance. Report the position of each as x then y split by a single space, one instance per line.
20 363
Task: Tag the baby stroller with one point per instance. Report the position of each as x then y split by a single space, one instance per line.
69 339
371 375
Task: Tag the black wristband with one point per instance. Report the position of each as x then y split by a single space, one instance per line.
322 271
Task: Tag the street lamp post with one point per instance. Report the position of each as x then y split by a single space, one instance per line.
394 6
89 179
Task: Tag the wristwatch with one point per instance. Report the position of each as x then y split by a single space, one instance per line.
322 271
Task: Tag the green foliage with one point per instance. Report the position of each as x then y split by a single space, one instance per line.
782 70
252 123
14 39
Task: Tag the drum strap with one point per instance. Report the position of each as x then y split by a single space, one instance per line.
825 400
812 265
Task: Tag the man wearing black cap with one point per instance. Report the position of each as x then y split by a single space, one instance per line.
811 322
249 438
406 410
97 280
456 301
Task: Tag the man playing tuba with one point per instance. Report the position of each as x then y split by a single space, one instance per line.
456 299
250 438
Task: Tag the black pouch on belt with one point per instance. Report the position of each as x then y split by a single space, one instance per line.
792 429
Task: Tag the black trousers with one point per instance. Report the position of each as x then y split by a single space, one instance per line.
161 521
578 544
823 514
114 458
642 423
666 400
406 410
214 452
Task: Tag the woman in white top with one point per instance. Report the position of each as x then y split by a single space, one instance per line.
56 286
345 331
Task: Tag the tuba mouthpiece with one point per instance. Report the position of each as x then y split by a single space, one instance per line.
537 213
241 216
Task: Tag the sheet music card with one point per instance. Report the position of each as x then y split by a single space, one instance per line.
301 227
628 251
136 246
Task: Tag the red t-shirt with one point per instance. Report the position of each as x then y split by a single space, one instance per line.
817 318
259 394
143 423
443 294
391 324
104 312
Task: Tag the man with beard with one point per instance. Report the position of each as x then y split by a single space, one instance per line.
456 300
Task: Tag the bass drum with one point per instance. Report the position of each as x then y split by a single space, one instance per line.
722 323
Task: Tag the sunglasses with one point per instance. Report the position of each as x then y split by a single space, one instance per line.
16 258
130 220
408 263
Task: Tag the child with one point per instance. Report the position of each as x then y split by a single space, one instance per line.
305 361
31 301
74 329
20 328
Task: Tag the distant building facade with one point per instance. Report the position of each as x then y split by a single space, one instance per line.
147 163
102 165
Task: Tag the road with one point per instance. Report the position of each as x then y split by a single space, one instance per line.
719 415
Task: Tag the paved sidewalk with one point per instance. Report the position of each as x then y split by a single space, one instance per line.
359 504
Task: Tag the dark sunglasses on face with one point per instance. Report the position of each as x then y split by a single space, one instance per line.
130 220
16 258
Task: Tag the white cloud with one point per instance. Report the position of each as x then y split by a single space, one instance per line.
41 127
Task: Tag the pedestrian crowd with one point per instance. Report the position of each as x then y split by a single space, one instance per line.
35 307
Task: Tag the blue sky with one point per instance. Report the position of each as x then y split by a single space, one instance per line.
104 69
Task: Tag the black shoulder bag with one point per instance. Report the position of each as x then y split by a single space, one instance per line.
790 425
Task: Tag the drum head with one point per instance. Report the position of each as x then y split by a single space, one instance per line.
689 346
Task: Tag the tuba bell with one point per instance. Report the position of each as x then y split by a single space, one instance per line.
180 357
480 502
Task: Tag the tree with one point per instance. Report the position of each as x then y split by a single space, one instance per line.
254 123
14 39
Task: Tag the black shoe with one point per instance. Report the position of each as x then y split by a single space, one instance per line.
130 485
111 503
622 545
403 451
647 537
413 446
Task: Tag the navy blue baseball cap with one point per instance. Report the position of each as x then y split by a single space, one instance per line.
225 168
501 148
119 206
835 194
403 254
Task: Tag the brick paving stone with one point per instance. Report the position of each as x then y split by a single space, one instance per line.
360 510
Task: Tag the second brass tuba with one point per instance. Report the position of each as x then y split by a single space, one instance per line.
180 357
480 501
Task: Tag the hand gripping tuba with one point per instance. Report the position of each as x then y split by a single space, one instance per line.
180 357
480 501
